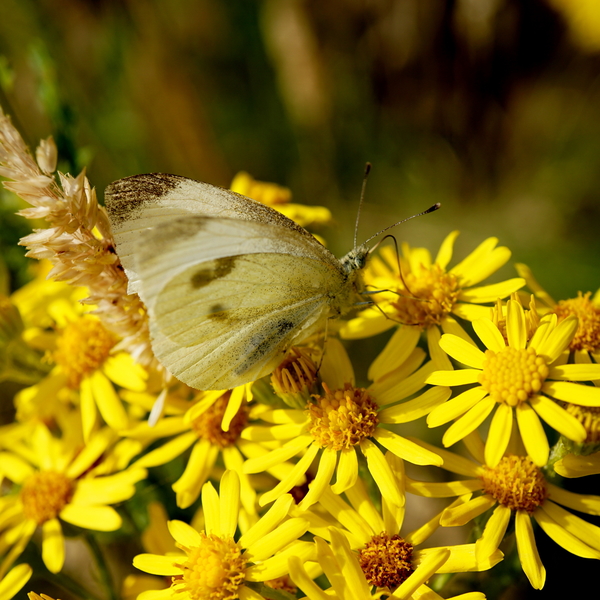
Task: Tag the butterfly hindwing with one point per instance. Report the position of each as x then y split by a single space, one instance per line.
231 317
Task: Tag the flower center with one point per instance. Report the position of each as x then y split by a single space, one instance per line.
432 292
208 425
45 494
341 419
386 561
513 375
214 570
587 336
295 374
516 483
589 417
82 348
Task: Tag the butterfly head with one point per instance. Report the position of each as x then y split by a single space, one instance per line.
355 260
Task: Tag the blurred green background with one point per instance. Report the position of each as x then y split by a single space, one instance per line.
491 107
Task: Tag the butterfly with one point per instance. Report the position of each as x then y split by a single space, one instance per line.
229 283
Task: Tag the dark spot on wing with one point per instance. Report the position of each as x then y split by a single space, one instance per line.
215 308
264 343
216 270
126 197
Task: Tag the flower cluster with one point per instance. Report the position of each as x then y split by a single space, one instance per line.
302 483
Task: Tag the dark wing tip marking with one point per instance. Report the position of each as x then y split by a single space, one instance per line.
124 197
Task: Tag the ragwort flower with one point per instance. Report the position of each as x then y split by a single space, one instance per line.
371 541
522 377
341 420
217 564
426 295
515 486
57 481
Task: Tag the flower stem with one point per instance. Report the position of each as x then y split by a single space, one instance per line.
102 566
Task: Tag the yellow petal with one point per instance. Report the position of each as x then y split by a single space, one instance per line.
12 583
107 401
587 532
438 357
494 531
489 334
347 471
416 408
575 393
159 565
184 534
99 518
490 293
406 449
528 553
198 468
469 421
125 372
444 255
427 567
586 503
294 476
578 372
382 473
267 522
53 545
516 328
212 509
462 514
462 351
229 497
498 435
277 566
396 351
301 578
459 377
287 532
275 457
558 418
457 406
533 434
558 339
324 474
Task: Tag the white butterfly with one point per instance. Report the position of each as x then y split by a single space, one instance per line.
229 283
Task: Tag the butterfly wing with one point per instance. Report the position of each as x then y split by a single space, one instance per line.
228 297
142 202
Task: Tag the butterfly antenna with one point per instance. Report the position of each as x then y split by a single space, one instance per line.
425 212
362 198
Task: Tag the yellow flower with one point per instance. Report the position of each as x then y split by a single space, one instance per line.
14 581
426 295
522 377
215 564
392 562
344 418
585 345
57 481
278 197
212 427
514 486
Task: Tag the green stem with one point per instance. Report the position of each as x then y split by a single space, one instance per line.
102 566
65 582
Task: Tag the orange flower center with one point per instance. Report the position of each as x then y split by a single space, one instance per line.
45 494
587 336
516 483
513 375
342 418
214 570
429 295
386 561
82 348
208 425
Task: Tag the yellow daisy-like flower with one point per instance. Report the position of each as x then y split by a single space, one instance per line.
343 419
216 564
57 481
14 580
427 294
522 377
585 344
391 562
212 426
345 571
279 198
515 486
